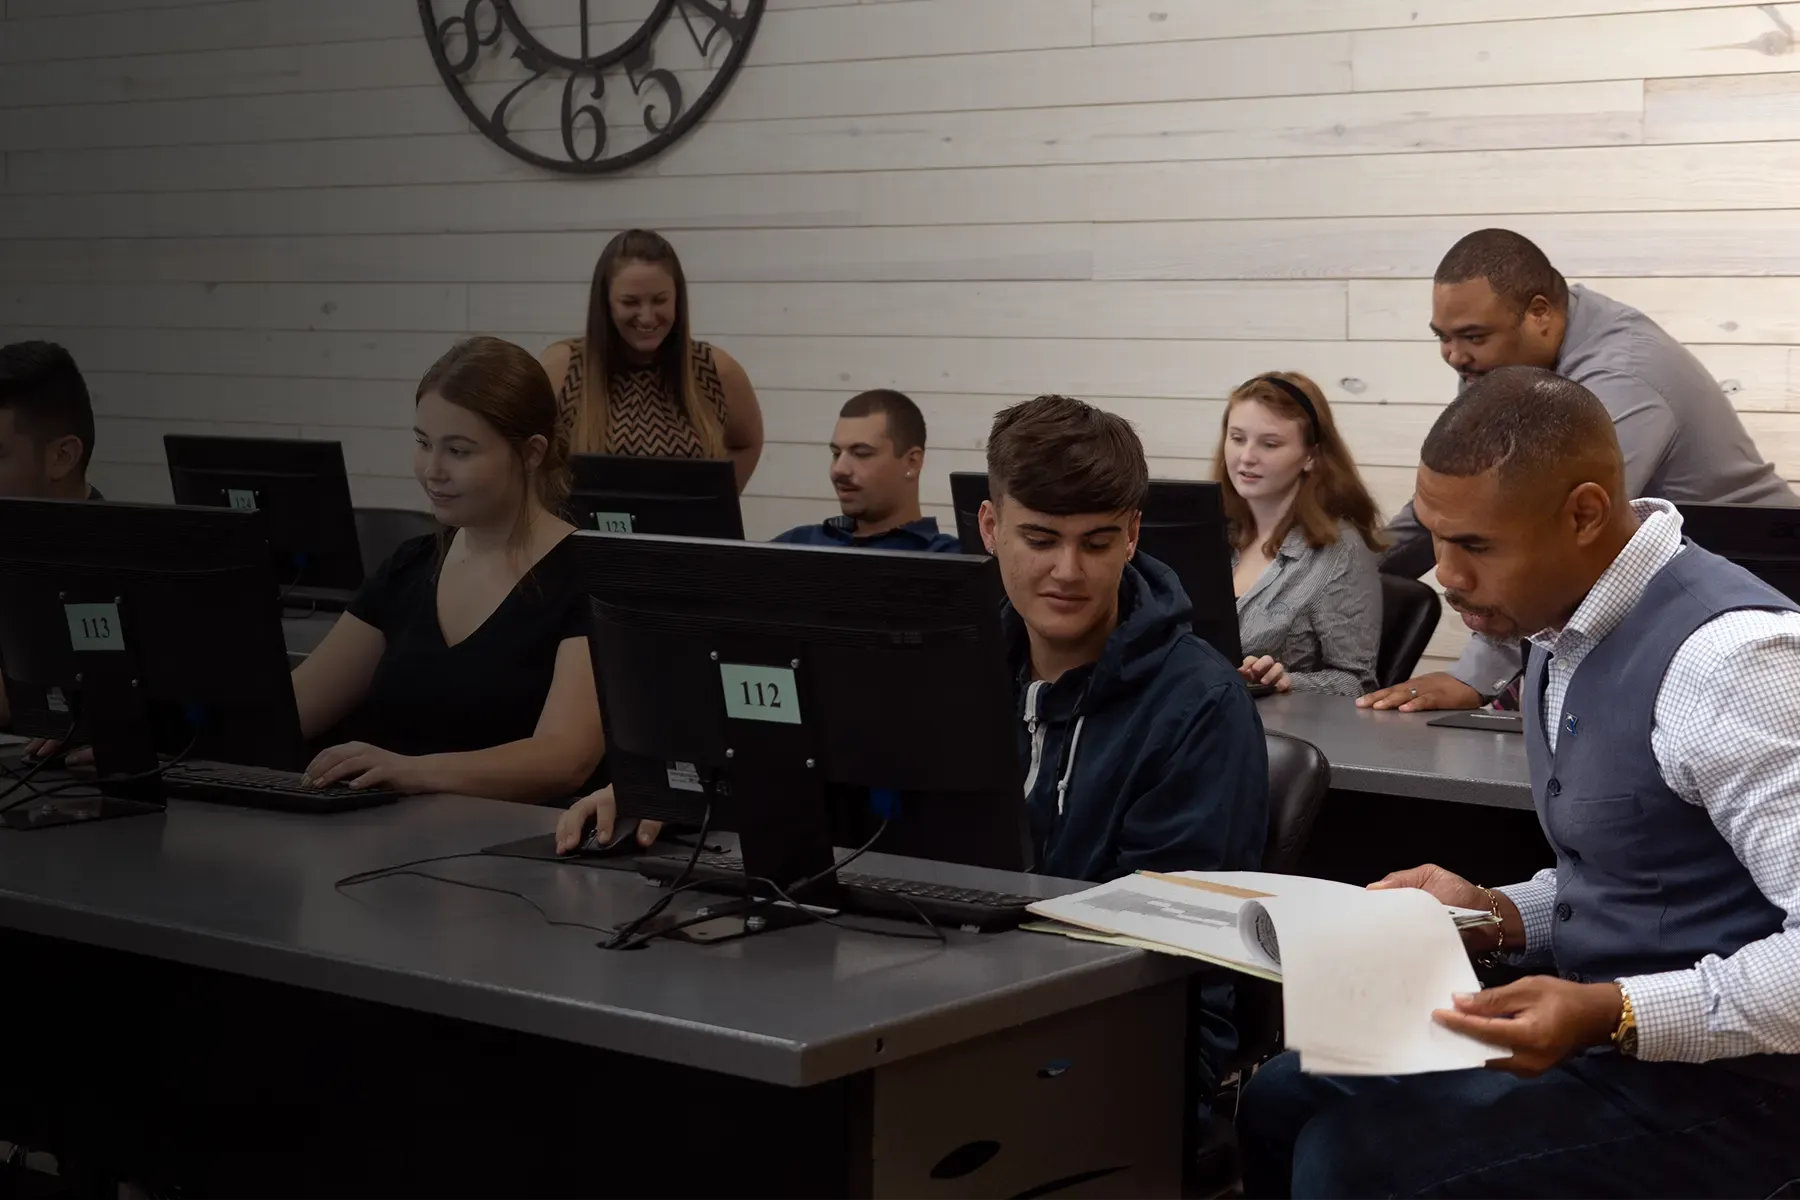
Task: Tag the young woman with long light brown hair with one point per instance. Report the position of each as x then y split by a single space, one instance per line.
1304 532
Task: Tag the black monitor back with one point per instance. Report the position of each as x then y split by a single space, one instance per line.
863 674
177 603
1762 539
1183 528
303 488
669 497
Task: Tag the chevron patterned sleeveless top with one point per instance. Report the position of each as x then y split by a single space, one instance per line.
644 416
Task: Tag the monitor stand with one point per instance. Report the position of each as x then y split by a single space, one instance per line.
116 715
73 810
783 835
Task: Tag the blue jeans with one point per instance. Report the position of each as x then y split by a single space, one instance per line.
1598 1125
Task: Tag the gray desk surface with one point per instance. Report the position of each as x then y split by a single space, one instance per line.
1398 754
251 893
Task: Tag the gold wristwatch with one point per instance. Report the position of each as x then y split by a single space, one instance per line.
1624 1038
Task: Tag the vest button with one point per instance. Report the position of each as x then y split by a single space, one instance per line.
1574 977
1564 912
1554 787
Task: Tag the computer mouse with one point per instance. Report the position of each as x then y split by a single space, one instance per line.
623 840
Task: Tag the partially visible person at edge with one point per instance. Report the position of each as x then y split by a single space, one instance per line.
636 382
1497 301
1654 1049
46 435
877 456
1304 533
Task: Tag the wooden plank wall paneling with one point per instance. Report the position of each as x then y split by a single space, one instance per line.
263 217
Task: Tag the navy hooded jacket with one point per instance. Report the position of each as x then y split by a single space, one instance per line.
1151 758
920 535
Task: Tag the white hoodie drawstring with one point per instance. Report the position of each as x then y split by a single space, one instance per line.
1062 785
1036 730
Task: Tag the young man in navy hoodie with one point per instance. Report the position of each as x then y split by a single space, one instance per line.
1143 749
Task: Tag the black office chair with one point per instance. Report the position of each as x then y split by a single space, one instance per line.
379 532
1409 616
1299 777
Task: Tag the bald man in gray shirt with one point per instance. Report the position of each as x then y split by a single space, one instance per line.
1497 301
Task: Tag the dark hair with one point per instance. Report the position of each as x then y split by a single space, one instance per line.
1330 492
506 386
1511 263
1521 421
43 387
1059 456
905 423
603 350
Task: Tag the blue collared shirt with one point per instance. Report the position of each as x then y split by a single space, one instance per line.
922 535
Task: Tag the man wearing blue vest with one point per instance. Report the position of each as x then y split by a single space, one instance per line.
1660 1052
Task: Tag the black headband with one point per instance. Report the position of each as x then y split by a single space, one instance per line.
1299 397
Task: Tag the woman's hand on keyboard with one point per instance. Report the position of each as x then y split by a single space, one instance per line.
360 765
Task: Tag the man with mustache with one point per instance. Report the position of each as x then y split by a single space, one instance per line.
1497 301
877 456
1659 1053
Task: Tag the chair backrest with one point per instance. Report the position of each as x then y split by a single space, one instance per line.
379 532
1409 616
1299 777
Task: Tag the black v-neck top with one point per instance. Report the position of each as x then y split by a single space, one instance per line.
488 689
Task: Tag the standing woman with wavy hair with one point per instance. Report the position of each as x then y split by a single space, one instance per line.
1304 532
637 382
462 666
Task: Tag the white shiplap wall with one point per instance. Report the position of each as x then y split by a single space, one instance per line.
269 217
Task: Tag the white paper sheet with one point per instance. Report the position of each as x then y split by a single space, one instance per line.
1361 971
1361 978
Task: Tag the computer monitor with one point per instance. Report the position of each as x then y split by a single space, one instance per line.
676 497
303 488
142 629
1763 540
1183 528
802 693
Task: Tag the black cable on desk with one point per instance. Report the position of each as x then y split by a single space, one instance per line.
407 868
626 932
24 781
98 784
626 939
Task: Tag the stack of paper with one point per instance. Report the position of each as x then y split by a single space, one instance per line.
1361 971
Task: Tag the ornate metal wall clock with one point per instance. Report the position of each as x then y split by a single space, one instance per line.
587 86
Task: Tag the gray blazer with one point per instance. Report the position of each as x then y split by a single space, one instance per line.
1318 612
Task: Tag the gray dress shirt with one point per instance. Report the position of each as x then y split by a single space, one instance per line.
1681 438
1317 612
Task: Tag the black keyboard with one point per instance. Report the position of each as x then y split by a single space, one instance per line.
265 787
976 910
